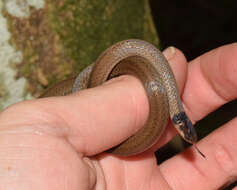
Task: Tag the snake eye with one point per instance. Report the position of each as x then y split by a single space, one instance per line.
179 122
179 118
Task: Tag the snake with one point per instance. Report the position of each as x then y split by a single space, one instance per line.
143 60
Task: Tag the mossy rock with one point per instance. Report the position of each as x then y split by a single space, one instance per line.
59 38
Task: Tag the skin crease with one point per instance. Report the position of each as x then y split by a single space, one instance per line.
50 143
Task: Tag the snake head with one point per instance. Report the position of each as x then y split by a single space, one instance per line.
185 127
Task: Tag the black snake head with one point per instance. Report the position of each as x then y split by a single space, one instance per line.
185 127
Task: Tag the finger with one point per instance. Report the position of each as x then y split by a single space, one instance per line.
212 173
211 81
178 64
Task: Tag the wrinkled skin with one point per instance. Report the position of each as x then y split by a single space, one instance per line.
57 142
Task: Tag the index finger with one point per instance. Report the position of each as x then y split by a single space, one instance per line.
211 81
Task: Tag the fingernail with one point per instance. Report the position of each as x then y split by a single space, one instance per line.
169 52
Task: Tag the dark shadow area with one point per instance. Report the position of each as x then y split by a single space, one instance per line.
196 27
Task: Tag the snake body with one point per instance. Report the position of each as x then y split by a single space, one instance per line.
146 62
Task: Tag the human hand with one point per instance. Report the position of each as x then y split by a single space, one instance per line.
58 142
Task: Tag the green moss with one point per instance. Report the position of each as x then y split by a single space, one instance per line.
86 29
3 91
27 69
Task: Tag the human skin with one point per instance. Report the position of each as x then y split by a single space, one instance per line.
58 142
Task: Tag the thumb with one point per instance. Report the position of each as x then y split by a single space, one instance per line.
92 120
